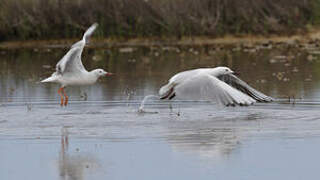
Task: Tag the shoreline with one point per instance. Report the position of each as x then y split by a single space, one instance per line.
227 40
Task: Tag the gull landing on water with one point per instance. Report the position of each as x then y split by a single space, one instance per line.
214 84
70 70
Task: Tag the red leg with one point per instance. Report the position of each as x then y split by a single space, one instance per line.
59 92
66 97
67 141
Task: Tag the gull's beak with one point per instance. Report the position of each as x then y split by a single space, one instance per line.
109 74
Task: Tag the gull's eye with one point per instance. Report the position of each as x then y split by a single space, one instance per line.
227 70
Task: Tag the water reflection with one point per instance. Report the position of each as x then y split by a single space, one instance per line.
213 143
73 166
214 137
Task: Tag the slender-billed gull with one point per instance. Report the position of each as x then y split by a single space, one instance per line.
214 84
70 70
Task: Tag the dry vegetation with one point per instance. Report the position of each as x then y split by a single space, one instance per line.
49 19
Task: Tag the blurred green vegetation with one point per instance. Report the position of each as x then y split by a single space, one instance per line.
51 19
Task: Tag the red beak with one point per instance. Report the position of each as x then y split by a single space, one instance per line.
109 74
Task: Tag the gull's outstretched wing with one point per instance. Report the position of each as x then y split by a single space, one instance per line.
89 32
86 36
205 87
71 62
237 83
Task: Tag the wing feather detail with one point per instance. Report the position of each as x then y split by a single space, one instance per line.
242 86
206 87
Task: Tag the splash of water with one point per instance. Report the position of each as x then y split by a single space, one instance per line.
141 108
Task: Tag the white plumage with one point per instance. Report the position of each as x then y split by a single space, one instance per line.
70 70
214 84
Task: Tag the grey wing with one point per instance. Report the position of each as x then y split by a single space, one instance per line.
237 83
89 31
86 36
181 76
71 62
206 87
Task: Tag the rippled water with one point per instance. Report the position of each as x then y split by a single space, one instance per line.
101 135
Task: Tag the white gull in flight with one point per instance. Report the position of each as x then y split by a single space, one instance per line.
214 84
70 70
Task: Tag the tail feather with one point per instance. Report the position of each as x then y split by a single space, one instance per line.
49 79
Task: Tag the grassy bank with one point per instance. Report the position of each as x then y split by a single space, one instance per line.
50 19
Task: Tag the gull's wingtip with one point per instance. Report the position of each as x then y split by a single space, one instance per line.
95 24
89 32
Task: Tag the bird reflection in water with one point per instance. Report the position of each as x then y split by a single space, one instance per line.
73 166
214 139
209 143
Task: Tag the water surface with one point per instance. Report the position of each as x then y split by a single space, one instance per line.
100 134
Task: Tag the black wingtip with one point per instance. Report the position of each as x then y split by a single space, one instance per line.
164 97
169 95
172 96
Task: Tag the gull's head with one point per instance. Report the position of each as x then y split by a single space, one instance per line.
223 71
101 73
